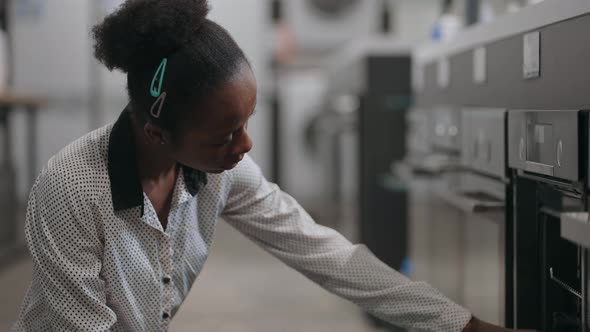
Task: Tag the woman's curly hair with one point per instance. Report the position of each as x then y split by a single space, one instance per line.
201 54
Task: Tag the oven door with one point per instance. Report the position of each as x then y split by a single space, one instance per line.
480 206
549 272
562 273
575 227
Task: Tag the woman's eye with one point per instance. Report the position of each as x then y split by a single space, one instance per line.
225 142
221 144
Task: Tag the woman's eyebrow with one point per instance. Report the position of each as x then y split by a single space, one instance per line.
222 135
230 131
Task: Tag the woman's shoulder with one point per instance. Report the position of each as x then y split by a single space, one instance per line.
81 164
244 176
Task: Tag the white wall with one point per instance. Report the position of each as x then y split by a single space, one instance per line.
314 32
414 19
52 53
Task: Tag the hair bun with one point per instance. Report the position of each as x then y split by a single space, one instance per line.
141 32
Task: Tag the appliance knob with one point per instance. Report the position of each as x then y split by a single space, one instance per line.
453 131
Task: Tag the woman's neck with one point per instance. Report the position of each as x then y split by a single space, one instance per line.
153 163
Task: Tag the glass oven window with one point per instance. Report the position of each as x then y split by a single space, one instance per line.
538 146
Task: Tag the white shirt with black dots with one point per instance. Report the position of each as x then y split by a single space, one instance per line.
97 268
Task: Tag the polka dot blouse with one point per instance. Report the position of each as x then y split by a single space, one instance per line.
103 262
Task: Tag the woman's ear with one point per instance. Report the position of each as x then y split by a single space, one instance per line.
154 134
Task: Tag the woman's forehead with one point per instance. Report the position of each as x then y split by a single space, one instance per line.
231 104
234 99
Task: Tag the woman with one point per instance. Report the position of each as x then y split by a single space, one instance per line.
119 223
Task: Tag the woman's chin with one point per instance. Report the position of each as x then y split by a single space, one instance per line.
220 169
215 171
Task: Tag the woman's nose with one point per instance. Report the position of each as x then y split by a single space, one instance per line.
245 144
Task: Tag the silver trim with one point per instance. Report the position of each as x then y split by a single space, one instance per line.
514 260
584 278
563 285
459 200
538 168
575 228
559 152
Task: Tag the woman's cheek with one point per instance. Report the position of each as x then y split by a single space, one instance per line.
218 155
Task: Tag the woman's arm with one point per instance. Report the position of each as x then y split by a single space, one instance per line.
67 258
273 220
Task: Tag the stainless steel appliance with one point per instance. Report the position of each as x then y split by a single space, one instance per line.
435 229
415 172
446 225
479 198
547 290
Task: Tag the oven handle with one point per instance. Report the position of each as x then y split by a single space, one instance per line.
436 171
467 204
539 168
408 170
575 227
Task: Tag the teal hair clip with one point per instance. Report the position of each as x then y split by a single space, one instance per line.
158 79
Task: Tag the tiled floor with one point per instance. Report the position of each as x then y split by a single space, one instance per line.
241 289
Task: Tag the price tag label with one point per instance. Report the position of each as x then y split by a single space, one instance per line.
479 65
531 55
444 73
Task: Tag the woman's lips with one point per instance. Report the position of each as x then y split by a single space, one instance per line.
233 163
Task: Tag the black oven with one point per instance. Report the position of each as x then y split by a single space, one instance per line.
546 274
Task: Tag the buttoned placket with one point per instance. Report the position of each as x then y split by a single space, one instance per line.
165 257
179 196
166 278
165 246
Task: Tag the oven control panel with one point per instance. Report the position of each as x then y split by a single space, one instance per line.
545 142
483 140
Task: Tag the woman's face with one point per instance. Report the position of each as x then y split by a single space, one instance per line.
218 138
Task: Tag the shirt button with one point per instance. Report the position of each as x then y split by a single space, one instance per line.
165 315
166 280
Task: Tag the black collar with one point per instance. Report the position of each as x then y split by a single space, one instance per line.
125 183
